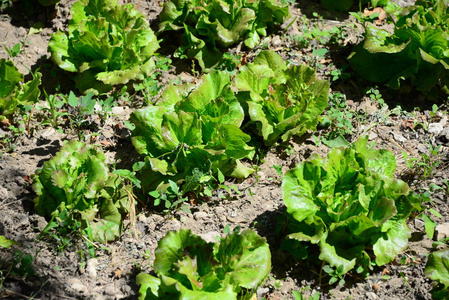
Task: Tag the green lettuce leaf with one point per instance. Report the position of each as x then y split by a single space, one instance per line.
437 268
415 54
192 128
187 267
213 25
107 44
14 93
76 183
280 102
5 243
348 203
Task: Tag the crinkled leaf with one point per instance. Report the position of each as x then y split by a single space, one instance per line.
281 102
437 267
105 231
190 268
5 243
348 202
415 53
106 44
240 255
192 128
175 246
149 286
14 93
76 183
392 242
216 24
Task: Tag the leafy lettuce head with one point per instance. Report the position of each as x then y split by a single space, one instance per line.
188 267
415 54
192 128
350 205
106 44
280 101
76 183
211 25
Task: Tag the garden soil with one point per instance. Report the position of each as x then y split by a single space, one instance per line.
73 274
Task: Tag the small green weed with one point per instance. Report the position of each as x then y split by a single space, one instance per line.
334 275
79 110
171 198
313 32
54 103
424 166
337 119
21 267
151 86
229 63
299 295
277 282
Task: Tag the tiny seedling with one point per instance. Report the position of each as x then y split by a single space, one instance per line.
171 198
54 104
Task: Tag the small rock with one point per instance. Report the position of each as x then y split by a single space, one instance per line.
372 296
4 194
91 267
261 292
174 225
142 218
157 218
210 236
126 289
372 136
76 285
399 137
435 128
442 231
49 132
200 215
109 290
38 222
276 41
422 148
419 224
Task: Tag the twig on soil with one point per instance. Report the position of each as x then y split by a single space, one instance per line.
6 204
8 293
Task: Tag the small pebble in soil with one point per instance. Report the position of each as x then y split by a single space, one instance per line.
435 128
261 292
442 231
91 267
76 285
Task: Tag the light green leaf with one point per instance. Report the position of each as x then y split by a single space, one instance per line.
392 242
437 267
5 243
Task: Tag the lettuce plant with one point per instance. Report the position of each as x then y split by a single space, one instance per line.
106 44
437 268
14 93
76 185
350 205
280 101
211 25
192 129
187 267
417 52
